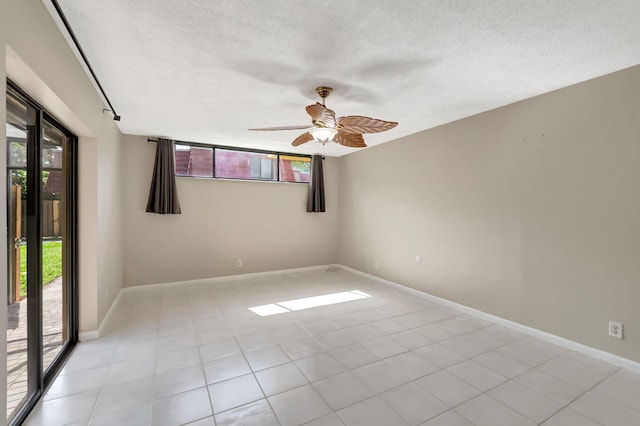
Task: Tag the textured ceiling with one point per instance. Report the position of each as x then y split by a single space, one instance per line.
206 71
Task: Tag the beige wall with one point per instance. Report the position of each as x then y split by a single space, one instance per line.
40 61
529 212
264 224
109 222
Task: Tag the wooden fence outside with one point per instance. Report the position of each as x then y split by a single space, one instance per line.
50 219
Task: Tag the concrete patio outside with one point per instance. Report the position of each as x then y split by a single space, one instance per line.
17 340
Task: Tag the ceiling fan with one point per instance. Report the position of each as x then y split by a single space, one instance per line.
326 127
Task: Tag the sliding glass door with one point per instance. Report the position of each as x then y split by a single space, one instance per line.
41 290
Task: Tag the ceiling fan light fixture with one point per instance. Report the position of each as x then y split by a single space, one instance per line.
346 131
323 134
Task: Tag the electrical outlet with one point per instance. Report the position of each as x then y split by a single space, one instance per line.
418 258
239 263
376 264
615 329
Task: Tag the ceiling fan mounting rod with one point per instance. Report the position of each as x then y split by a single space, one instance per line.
323 92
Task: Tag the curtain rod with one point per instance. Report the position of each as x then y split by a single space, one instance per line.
62 16
226 147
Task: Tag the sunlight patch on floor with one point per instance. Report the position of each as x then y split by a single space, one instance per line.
308 302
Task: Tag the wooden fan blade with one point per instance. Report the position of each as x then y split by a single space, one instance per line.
303 138
319 112
353 140
269 129
360 124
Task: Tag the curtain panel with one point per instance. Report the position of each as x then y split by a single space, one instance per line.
163 195
315 201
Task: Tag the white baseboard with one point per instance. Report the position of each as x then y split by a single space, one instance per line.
224 278
542 335
84 336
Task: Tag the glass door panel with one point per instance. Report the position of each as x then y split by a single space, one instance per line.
53 221
20 128
41 325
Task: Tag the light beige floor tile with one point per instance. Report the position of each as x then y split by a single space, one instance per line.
447 388
450 418
252 342
550 386
623 387
219 349
180 358
207 421
530 404
302 348
411 365
267 357
226 368
413 404
486 411
605 411
298 406
281 378
530 351
342 390
568 417
411 339
502 364
76 382
320 366
478 376
354 356
328 420
578 369
370 412
379 376
124 395
65 410
384 347
131 416
439 355
181 408
257 413
178 381
234 393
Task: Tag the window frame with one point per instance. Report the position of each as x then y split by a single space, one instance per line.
214 147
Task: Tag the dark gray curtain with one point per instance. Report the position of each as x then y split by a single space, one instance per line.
163 195
315 202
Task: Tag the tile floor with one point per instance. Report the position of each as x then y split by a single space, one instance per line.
196 355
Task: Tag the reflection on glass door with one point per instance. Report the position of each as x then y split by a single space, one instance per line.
20 127
41 326
53 203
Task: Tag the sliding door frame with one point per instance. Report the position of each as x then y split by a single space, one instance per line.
39 379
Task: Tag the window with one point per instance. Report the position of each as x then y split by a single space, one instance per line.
195 160
295 168
245 165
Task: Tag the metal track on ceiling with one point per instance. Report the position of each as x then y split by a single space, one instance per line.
64 20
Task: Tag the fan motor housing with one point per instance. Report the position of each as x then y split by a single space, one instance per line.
323 91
